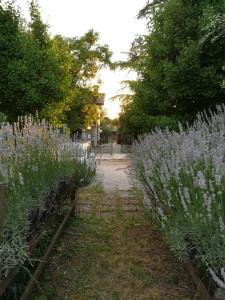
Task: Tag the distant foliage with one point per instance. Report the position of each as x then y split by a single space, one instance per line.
182 175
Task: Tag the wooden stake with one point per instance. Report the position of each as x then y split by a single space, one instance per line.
201 289
2 199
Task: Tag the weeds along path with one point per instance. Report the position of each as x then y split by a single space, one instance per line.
111 251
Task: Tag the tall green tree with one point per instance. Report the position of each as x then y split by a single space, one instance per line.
88 59
177 75
81 58
53 76
11 55
33 73
48 65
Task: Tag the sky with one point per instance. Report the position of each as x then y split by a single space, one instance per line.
116 22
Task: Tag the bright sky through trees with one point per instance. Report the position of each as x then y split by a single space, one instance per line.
116 22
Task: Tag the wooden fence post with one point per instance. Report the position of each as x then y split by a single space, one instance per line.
2 199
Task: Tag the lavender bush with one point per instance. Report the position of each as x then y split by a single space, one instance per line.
34 157
183 177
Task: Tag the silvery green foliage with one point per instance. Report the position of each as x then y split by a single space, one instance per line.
34 157
183 176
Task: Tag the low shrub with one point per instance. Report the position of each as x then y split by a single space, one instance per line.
183 177
33 162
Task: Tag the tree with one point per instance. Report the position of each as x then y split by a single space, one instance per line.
213 41
49 64
88 57
53 76
177 76
11 55
33 72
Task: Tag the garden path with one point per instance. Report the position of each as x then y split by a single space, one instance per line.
111 251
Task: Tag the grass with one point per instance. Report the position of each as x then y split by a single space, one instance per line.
108 253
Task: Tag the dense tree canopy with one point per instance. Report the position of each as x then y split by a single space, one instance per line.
51 75
179 69
180 65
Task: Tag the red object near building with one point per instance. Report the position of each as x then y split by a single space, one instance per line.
118 138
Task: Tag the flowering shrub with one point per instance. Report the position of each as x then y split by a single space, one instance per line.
32 162
183 177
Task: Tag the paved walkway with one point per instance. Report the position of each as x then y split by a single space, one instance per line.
112 169
114 174
108 156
